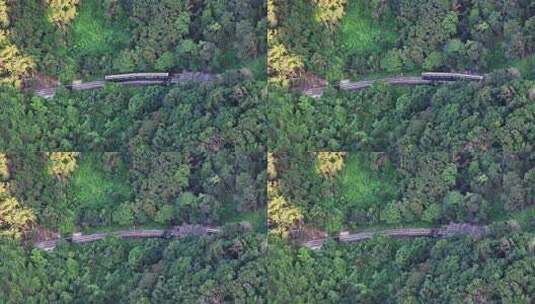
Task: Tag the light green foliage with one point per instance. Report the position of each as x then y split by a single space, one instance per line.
124 215
165 214
186 200
363 187
433 61
92 35
391 213
61 12
361 35
392 62
432 213
62 164
95 189
182 175
449 23
454 47
166 62
15 219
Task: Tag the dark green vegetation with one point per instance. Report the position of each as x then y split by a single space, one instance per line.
387 189
200 119
193 153
197 153
227 268
79 39
495 116
461 152
352 38
496 269
186 154
234 268
72 191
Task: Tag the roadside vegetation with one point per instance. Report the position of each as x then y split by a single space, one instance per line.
357 38
69 40
91 190
460 152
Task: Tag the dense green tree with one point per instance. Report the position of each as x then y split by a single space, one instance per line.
124 215
230 267
335 39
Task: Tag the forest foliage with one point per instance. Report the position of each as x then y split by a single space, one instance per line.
355 39
494 116
226 268
98 190
72 39
216 153
204 119
498 268
184 154
237 267
376 189
460 152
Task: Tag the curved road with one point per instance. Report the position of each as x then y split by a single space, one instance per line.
444 231
174 232
174 79
359 85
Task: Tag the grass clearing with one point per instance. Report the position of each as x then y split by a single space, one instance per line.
92 35
363 187
93 188
360 35
257 219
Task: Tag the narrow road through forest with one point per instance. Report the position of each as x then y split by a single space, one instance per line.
348 85
173 232
444 231
178 78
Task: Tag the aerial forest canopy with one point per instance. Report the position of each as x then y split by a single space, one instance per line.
358 38
336 191
498 268
235 268
202 118
222 269
79 39
67 192
183 154
232 165
400 156
494 116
